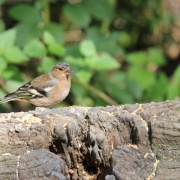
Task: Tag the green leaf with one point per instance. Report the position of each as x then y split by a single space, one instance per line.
84 101
122 95
56 49
12 72
83 76
75 61
137 58
158 91
81 96
12 85
14 55
107 43
116 86
124 39
87 48
101 9
2 26
2 1
2 93
73 49
143 77
134 89
174 86
35 49
78 14
176 75
152 55
156 56
26 32
48 38
78 90
117 77
7 39
46 65
102 62
56 30
173 91
26 13
3 65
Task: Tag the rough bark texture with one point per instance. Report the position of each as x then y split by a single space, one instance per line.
130 142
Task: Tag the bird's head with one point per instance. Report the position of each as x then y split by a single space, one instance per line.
61 69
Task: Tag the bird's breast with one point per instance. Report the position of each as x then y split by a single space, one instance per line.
57 94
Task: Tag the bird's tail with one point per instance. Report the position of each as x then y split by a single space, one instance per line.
9 97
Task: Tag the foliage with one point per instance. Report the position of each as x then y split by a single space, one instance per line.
116 50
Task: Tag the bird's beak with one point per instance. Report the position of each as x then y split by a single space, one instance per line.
68 71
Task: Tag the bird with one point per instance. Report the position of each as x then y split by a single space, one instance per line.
45 90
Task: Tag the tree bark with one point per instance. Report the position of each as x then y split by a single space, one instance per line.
129 142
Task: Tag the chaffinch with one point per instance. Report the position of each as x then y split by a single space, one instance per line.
48 89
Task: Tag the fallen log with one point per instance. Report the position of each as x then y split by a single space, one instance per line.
140 141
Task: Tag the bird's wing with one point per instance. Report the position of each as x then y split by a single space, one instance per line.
21 94
37 88
27 91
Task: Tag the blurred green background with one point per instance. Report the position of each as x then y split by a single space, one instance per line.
120 52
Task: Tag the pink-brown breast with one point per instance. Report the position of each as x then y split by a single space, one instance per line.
57 94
